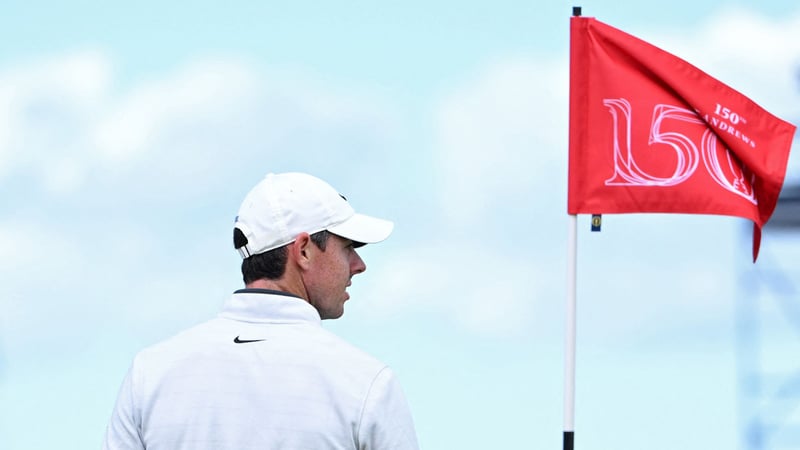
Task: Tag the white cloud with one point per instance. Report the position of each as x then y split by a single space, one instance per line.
45 108
201 93
502 139
62 175
469 285
68 127
35 258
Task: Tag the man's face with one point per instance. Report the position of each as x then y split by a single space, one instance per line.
329 277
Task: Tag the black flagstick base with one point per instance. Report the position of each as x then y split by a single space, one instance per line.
569 440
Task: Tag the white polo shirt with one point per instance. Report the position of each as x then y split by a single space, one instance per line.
264 374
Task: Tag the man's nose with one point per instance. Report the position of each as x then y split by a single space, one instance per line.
357 264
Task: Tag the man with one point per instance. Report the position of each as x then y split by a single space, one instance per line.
264 374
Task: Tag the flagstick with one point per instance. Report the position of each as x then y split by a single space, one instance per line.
569 341
570 328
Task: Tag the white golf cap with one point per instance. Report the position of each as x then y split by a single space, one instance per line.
284 205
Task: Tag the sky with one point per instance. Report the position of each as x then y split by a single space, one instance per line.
130 132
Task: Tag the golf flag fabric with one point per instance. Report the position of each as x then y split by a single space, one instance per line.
650 132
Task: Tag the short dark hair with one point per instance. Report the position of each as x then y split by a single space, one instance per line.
270 265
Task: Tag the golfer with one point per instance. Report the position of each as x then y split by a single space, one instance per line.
264 374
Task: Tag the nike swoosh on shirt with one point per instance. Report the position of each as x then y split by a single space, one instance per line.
236 340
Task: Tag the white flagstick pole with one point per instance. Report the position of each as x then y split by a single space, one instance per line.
570 332
570 328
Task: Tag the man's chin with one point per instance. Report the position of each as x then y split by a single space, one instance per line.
333 314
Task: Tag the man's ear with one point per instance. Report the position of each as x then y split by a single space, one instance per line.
301 250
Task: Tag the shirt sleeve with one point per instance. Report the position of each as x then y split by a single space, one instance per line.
124 428
386 422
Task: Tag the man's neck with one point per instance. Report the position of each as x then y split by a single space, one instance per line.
283 285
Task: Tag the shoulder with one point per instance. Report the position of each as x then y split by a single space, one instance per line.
345 355
386 420
185 342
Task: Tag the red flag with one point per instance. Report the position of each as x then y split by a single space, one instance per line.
650 132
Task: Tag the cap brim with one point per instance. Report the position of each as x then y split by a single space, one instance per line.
363 229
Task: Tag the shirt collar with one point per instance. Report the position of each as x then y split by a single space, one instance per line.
268 306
